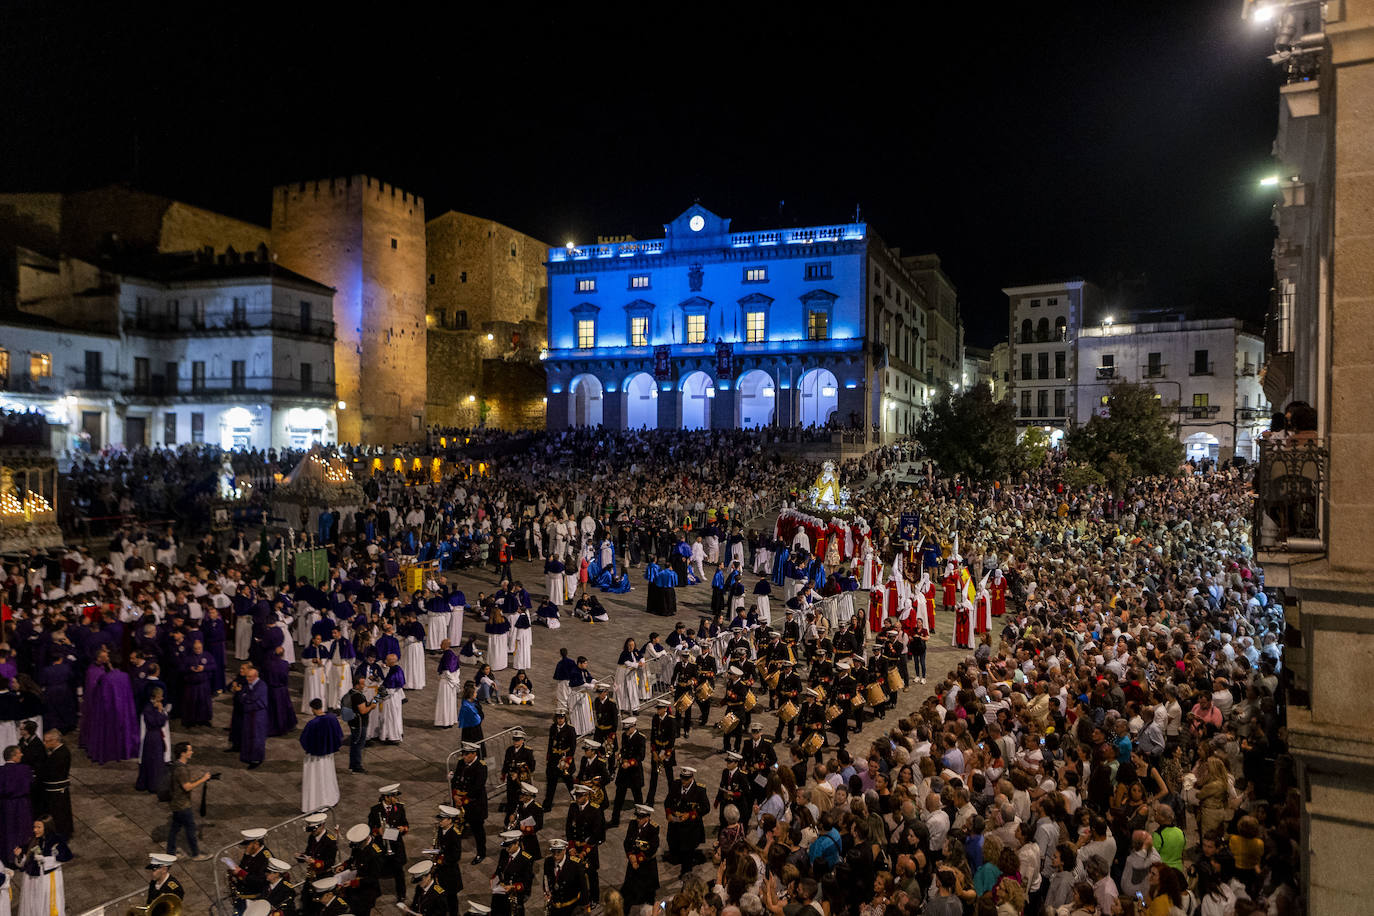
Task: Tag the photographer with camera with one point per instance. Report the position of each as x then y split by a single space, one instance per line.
183 783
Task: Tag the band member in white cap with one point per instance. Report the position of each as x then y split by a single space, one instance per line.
662 746
328 902
629 774
428 899
469 785
586 831
514 876
448 854
160 880
249 880
565 882
641 859
387 820
558 762
516 767
528 818
365 861
281 893
321 852
686 806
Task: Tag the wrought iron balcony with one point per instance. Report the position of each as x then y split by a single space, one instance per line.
1200 369
1290 494
1106 373
1153 370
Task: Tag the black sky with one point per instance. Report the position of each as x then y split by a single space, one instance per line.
1118 142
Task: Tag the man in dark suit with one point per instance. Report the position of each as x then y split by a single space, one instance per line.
558 763
586 831
641 859
448 863
629 775
565 883
686 806
516 767
515 872
734 789
662 746
469 785
386 816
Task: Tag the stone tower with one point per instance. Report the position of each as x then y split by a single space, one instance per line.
366 239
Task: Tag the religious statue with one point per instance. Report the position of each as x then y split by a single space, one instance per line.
826 492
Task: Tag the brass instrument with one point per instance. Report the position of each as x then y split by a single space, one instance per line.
597 798
164 905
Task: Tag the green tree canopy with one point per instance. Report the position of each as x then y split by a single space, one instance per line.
1135 438
971 434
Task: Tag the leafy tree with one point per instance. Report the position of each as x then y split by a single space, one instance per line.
1082 477
1136 438
971 434
1031 452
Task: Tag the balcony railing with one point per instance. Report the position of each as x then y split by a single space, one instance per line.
1199 412
230 323
1200 369
30 384
1153 370
1106 373
1247 370
1290 494
245 386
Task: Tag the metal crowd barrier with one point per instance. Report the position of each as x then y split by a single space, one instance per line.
114 908
493 753
223 904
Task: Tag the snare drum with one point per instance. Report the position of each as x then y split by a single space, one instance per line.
894 680
813 744
832 712
705 692
728 723
750 701
876 696
683 703
820 694
772 679
787 712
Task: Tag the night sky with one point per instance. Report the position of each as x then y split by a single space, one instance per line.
1122 144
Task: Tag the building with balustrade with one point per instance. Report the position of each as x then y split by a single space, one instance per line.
711 328
1206 371
226 349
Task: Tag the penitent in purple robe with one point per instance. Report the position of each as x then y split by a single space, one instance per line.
59 696
112 732
153 763
16 813
93 675
253 731
196 707
281 714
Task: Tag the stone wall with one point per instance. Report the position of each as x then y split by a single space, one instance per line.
505 394
486 270
366 239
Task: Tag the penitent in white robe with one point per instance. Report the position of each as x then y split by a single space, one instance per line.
319 784
446 704
413 661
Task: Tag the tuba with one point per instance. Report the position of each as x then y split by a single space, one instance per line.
164 905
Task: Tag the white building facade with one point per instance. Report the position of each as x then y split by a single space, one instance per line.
710 328
1208 368
1043 358
237 354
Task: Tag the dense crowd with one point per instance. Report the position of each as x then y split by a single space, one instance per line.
1112 743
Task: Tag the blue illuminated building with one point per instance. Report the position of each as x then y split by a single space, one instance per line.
712 328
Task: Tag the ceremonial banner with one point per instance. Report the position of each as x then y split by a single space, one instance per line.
663 363
909 528
725 361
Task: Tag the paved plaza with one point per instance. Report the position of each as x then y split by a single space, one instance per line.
117 827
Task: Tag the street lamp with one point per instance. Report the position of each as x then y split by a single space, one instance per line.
1108 320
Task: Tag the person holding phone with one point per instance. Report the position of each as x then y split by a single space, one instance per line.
183 815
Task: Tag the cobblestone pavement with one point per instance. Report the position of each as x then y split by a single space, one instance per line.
116 827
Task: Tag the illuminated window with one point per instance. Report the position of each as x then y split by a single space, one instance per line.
696 329
639 281
1103 402
1200 400
4 368
586 285
639 331
753 327
817 325
40 365
755 274
586 333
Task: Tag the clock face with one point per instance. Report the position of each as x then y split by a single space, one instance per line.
697 222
